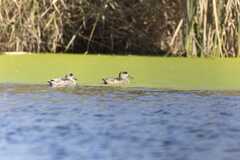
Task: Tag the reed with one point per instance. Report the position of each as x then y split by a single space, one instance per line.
78 26
193 27
212 28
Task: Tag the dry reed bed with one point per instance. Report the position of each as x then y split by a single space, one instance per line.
189 27
212 28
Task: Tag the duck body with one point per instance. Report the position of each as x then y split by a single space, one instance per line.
67 81
122 79
114 81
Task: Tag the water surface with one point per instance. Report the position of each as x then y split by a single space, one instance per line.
104 123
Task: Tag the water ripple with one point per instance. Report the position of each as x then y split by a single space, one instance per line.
106 123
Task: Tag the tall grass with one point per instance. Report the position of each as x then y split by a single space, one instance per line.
80 26
212 28
192 27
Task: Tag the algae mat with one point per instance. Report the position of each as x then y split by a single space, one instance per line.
153 72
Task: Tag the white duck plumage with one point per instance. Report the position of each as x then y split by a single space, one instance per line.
123 78
68 80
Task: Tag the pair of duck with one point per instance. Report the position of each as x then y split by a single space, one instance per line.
69 80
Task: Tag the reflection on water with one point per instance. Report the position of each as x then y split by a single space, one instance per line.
105 123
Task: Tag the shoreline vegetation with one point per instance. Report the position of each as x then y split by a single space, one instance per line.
150 72
192 28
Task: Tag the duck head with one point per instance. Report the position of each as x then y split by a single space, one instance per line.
124 76
71 77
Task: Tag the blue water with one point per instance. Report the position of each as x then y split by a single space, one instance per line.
104 123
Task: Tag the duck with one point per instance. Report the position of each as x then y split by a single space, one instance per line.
68 80
123 78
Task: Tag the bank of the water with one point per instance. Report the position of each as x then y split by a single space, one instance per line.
154 72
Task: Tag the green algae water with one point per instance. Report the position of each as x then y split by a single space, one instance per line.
150 72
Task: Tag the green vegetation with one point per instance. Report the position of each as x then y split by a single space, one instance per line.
156 72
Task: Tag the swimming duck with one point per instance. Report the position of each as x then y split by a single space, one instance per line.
67 81
123 78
